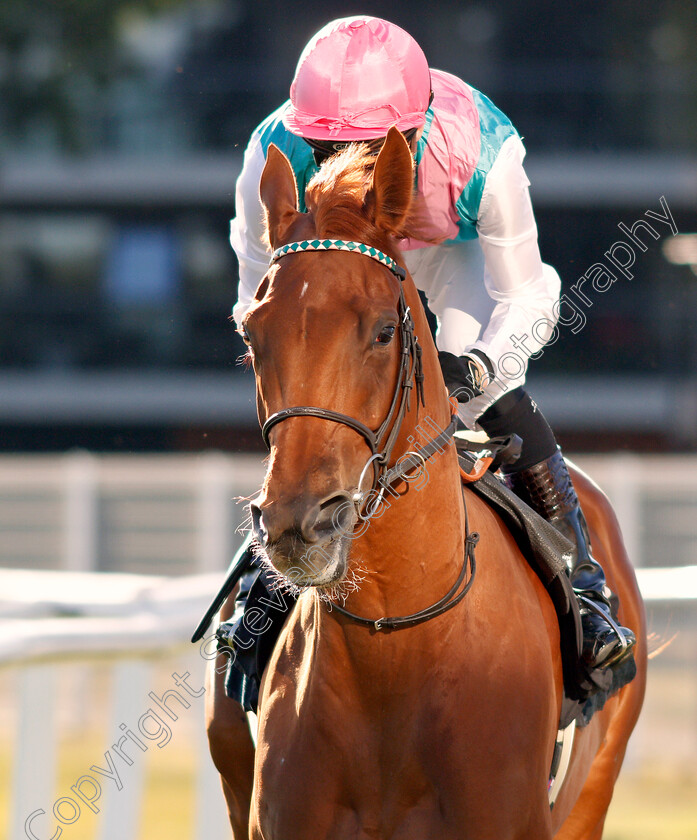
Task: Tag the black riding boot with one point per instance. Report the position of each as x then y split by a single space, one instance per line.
548 489
238 685
251 633
541 479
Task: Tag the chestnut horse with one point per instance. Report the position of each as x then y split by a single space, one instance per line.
444 729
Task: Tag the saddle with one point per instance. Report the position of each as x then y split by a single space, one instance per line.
545 548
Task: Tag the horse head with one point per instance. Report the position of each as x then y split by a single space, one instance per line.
325 331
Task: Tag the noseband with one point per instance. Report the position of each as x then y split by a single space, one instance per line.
382 440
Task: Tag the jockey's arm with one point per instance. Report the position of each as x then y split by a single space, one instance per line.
247 229
524 289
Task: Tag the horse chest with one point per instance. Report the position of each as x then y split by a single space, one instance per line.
404 783
333 762
348 783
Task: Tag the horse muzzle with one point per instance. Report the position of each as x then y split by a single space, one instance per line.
306 541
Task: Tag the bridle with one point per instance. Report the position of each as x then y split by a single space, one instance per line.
382 440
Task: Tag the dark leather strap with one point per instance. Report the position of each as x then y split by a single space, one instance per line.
410 375
239 565
323 414
412 460
451 598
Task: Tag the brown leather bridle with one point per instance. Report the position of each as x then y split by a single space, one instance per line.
382 440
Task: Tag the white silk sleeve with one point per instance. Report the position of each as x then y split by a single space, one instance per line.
247 229
524 289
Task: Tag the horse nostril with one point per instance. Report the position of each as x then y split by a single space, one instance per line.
258 528
333 515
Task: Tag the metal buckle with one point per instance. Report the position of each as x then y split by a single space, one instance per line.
358 495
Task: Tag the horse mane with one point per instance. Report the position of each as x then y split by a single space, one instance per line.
339 198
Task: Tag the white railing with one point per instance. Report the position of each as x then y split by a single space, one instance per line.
129 624
168 514
135 621
48 619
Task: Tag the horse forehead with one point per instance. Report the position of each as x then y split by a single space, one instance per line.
333 281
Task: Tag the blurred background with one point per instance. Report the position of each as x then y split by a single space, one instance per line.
128 430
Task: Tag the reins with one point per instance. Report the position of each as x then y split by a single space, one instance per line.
410 376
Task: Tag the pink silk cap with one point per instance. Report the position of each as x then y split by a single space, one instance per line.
357 77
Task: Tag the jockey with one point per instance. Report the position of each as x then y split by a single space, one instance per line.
475 257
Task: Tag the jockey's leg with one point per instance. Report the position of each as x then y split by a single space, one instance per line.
540 477
237 684
249 643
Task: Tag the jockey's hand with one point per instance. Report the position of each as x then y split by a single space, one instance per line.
466 376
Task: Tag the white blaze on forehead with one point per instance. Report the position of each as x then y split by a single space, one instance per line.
303 290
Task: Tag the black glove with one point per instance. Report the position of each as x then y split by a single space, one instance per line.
466 376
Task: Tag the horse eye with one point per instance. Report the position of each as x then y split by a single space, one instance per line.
385 335
245 336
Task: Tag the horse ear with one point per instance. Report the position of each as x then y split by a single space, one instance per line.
279 195
393 183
